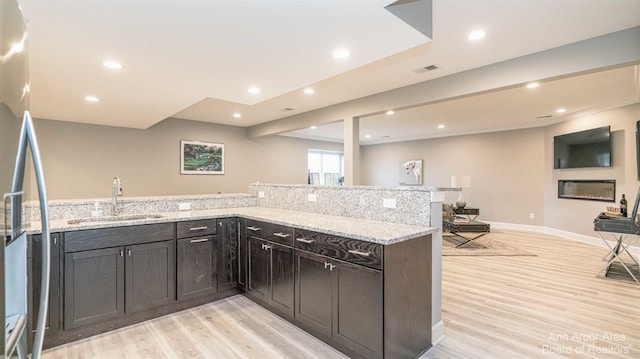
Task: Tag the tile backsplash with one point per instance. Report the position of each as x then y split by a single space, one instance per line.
68 209
412 204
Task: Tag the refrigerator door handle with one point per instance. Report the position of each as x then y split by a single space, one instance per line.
28 136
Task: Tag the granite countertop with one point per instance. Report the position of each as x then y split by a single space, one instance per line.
366 230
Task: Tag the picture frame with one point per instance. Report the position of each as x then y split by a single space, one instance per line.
410 173
315 178
201 158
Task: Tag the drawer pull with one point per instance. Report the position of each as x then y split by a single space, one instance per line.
304 240
357 252
255 229
281 235
199 240
198 228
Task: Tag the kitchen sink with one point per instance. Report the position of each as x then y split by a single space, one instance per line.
131 217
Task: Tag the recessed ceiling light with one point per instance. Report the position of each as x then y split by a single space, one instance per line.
341 53
110 64
390 112
561 110
441 126
367 136
91 99
476 35
309 91
237 115
532 85
254 90
313 127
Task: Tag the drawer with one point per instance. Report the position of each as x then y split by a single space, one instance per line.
197 228
269 231
75 241
351 250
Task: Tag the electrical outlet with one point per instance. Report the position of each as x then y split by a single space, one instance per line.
312 197
185 206
389 202
260 194
532 215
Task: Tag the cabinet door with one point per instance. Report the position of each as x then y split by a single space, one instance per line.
358 309
93 286
150 277
282 290
197 267
228 264
35 275
314 291
242 253
258 269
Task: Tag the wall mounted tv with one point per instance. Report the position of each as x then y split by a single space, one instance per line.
590 148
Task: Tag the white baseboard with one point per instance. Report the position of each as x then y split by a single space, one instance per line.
437 332
596 241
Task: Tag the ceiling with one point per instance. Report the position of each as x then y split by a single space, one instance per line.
500 110
195 59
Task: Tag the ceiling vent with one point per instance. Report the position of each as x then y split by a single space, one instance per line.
287 109
545 116
425 69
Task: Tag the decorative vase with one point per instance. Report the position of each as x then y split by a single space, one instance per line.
460 203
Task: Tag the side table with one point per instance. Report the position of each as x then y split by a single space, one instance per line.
460 225
468 211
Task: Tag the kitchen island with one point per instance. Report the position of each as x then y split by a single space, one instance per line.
368 283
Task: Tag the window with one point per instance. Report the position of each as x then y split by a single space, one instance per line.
325 167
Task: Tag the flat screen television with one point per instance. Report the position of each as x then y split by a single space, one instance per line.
590 148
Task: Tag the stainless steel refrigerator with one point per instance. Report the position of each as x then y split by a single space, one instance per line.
16 136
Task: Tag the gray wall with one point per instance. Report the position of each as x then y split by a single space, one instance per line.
512 172
80 160
506 170
577 215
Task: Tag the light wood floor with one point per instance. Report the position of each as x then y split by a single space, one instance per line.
546 306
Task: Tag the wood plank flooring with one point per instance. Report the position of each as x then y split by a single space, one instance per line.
547 306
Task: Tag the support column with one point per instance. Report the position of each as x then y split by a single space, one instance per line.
352 151
435 215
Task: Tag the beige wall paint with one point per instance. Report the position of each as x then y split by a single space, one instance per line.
506 170
576 215
80 160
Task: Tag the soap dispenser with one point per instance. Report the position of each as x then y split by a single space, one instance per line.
96 212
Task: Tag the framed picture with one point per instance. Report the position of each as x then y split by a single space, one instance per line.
411 172
315 178
201 158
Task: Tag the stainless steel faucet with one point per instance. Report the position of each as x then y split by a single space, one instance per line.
117 192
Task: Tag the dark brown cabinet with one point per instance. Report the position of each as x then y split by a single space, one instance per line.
106 283
116 271
149 275
242 253
93 286
197 264
270 274
340 300
228 250
197 258
34 268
